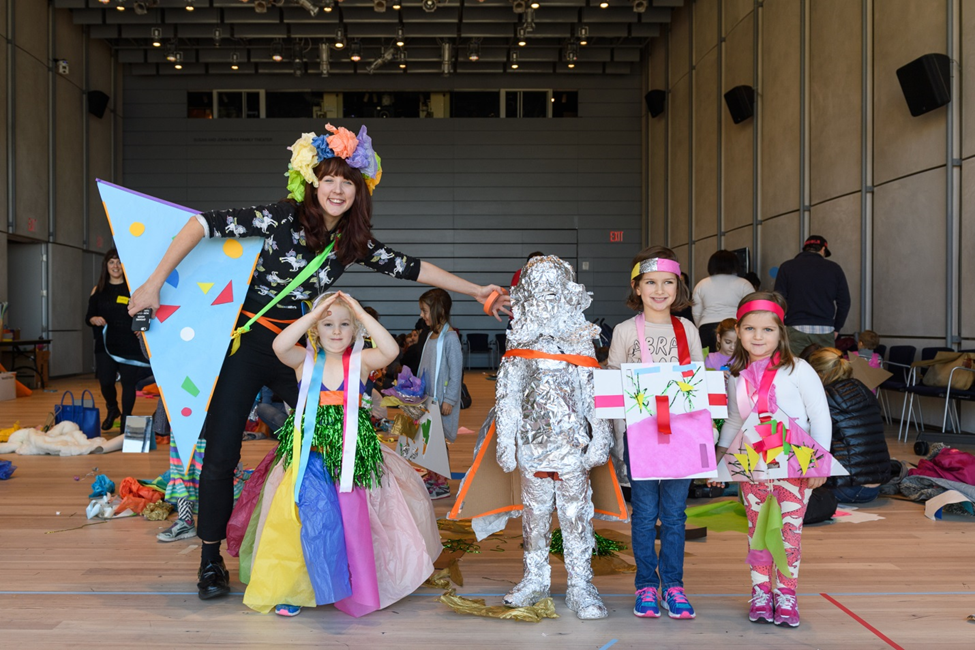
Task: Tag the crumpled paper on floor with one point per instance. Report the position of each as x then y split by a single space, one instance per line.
545 608
157 511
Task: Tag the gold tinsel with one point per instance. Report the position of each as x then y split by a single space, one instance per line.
544 608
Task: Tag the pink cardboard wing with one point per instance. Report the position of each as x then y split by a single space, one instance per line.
686 452
772 451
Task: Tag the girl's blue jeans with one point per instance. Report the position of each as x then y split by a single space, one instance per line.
653 500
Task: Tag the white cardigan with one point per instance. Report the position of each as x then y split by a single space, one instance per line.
716 298
799 393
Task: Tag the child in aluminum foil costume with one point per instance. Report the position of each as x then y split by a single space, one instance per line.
547 429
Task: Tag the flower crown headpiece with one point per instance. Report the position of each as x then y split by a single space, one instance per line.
311 149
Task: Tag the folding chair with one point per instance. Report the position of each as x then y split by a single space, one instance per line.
899 363
477 343
916 388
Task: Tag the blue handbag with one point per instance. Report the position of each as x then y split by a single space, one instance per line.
85 414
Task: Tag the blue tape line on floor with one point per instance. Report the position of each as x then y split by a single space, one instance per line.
610 644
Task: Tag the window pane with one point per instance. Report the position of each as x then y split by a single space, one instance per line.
290 104
475 104
565 103
230 105
533 103
511 103
253 105
199 105
384 104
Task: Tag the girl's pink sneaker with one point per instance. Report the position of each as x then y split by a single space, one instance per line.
786 607
761 611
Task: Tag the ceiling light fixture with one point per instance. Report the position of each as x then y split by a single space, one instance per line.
189 5
179 61
277 52
429 6
339 38
474 50
309 7
140 8
640 6
513 57
120 6
234 60
171 52
217 36
582 31
355 51
604 5
522 34
519 6
400 36
323 58
447 59
535 5
401 57
260 6
328 5
156 34
379 6
396 5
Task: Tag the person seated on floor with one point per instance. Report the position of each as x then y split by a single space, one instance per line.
858 429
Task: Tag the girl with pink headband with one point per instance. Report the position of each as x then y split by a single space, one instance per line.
655 335
766 378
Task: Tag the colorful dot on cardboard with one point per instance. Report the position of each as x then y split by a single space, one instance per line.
137 228
226 296
186 412
190 387
187 334
232 248
165 311
173 279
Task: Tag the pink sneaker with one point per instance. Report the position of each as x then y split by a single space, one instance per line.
786 607
761 611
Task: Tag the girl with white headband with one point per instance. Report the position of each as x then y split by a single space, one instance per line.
655 335
767 379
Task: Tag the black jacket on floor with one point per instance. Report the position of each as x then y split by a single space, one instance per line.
858 434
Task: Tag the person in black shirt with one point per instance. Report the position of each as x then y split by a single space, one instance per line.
117 350
326 219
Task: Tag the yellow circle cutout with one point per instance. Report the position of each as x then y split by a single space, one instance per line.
232 248
137 228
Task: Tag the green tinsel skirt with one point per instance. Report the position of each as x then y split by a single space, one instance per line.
328 440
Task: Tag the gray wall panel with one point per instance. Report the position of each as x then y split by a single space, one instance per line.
680 44
703 250
30 27
736 11
658 144
780 108
835 98
680 150
31 146
902 213
69 223
737 145
66 353
968 72
705 144
3 140
68 291
967 279
706 27
903 31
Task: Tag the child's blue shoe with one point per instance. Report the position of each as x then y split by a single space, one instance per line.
676 603
287 610
646 603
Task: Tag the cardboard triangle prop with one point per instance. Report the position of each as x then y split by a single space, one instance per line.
488 490
427 446
802 457
188 338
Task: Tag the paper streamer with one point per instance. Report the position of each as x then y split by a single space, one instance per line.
350 431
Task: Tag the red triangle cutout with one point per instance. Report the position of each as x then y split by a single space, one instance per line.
227 295
165 311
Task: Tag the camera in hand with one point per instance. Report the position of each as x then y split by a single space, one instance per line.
140 322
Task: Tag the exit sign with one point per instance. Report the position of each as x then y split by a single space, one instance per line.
615 235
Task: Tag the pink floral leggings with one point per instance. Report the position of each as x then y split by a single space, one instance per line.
793 497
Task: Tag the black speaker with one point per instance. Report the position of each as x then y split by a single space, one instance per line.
926 83
97 103
656 99
741 103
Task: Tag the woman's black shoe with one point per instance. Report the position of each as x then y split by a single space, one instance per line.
109 420
214 580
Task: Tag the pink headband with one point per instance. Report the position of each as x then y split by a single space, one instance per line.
761 305
655 264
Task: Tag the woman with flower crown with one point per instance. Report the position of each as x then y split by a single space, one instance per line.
309 239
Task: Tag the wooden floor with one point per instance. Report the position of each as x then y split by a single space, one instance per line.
903 581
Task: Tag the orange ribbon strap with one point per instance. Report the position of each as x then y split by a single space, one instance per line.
574 359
